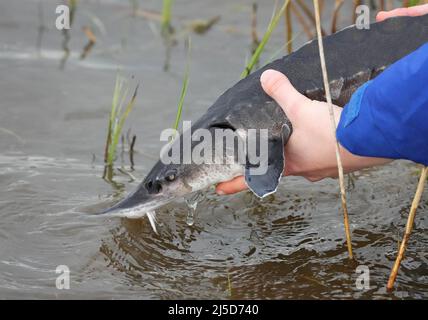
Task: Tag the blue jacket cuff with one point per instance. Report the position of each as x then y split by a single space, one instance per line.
357 131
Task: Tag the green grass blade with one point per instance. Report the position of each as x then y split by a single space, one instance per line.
116 95
183 88
413 3
128 109
117 117
115 101
118 125
272 25
166 16
280 51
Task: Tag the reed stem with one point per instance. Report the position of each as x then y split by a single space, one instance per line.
338 4
302 21
333 125
184 86
289 29
254 37
272 25
309 14
409 227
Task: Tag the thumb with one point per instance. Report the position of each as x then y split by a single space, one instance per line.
410 11
383 15
277 85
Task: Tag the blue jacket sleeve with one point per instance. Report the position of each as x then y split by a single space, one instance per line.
388 116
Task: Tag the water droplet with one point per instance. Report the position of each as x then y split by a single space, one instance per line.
190 220
192 204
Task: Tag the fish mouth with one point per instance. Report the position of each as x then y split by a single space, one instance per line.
137 204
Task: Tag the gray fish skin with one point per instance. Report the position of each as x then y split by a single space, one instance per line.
352 56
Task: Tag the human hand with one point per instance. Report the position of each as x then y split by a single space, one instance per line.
411 11
310 151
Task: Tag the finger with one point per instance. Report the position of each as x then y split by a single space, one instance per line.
412 11
383 15
233 186
277 85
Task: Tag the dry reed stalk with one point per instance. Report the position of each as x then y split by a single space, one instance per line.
333 126
92 39
338 4
254 37
321 5
289 29
302 21
409 227
309 14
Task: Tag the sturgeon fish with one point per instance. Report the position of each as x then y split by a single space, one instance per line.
353 56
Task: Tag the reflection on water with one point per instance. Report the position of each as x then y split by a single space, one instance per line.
52 131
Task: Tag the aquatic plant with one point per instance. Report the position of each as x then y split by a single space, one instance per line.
167 31
118 114
166 27
72 4
183 87
409 227
200 26
272 25
333 127
411 3
301 19
92 39
254 37
338 4
415 203
288 29
308 13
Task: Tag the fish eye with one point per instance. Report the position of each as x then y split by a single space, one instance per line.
170 177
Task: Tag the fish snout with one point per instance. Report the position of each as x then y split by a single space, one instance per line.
141 199
155 190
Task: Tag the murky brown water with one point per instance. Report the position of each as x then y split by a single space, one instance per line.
52 133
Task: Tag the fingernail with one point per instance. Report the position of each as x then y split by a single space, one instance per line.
220 192
264 76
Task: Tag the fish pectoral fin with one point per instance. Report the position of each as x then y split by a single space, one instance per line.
263 179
